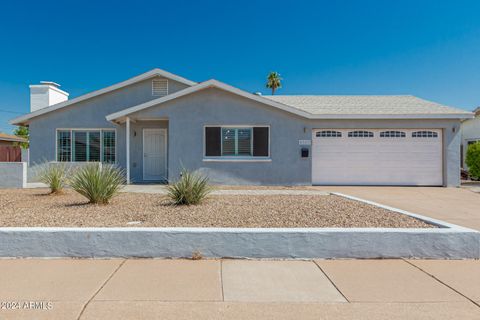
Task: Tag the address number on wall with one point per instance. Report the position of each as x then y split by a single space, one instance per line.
304 142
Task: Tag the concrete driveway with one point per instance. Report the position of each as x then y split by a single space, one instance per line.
455 205
239 289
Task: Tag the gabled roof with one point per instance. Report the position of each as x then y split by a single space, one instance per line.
325 107
11 137
392 106
150 74
201 86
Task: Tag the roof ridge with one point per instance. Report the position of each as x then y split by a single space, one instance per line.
340 95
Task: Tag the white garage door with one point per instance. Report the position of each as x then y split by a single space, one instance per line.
377 157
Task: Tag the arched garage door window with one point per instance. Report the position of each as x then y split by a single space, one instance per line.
392 134
360 134
328 134
424 134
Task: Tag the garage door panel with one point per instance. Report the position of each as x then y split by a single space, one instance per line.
401 160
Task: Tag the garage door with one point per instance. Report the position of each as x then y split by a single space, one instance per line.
377 157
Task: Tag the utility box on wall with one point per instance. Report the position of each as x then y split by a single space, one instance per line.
304 152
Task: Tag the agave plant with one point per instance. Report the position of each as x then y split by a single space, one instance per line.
55 175
98 183
190 189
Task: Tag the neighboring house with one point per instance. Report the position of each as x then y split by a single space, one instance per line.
470 133
157 123
10 139
9 149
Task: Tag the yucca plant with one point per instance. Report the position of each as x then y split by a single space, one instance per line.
98 183
55 175
190 189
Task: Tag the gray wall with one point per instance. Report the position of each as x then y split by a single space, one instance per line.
90 113
188 116
13 174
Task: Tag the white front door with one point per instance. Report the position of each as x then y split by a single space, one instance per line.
154 154
377 157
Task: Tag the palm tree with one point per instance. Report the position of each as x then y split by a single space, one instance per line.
274 81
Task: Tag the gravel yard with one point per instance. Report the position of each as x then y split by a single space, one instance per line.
35 208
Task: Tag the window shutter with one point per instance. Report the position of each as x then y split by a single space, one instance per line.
260 141
213 142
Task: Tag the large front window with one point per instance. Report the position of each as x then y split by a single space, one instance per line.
86 146
237 142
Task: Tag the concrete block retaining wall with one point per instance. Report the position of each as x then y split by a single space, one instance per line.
240 243
13 174
448 241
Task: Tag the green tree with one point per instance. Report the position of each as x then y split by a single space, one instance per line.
473 160
274 81
22 132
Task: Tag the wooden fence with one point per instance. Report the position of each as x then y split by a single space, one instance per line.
10 154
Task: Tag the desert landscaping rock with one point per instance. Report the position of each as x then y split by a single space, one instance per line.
36 208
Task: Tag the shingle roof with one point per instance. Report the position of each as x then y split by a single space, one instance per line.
364 105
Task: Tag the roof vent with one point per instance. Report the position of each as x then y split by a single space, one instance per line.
45 94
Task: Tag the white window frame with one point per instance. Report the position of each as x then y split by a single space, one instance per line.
236 158
71 130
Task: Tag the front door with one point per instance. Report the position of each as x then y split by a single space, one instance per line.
155 154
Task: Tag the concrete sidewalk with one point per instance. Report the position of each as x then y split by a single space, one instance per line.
240 289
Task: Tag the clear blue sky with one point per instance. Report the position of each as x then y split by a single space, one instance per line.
426 48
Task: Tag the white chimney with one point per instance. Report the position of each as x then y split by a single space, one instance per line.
45 94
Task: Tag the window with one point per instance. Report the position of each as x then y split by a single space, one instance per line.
360 134
86 146
159 87
64 150
108 146
424 134
328 134
392 134
236 141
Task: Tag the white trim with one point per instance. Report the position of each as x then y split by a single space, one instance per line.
150 74
165 152
127 139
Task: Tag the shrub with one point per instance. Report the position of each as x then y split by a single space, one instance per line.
473 160
191 188
98 183
55 175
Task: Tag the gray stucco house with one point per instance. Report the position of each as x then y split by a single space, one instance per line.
157 122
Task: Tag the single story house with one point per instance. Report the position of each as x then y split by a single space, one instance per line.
157 123
470 134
